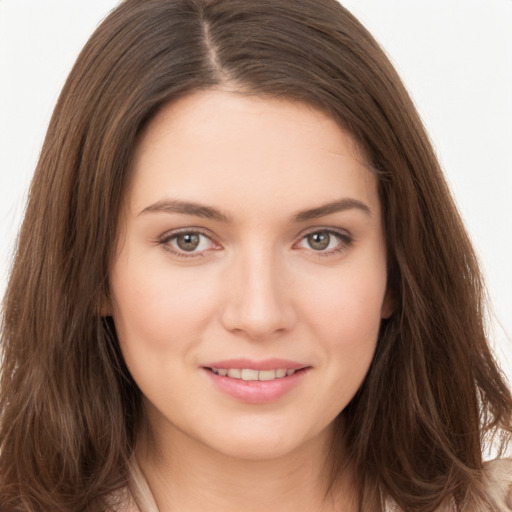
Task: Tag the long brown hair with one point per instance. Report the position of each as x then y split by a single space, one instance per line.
69 407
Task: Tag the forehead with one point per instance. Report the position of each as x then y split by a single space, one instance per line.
242 152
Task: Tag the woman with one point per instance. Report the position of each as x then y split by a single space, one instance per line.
241 281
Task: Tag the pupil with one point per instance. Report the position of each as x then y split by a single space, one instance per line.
319 241
188 242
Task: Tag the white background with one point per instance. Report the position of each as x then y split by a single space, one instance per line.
455 57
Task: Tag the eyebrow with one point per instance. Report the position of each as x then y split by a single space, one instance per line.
340 205
209 212
187 208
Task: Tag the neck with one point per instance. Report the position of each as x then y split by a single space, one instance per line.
185 475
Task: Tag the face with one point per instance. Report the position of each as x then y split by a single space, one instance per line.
250 279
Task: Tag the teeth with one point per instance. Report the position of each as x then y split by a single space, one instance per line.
250 374
267 375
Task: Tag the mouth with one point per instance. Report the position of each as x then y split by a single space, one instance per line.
249 374
256 382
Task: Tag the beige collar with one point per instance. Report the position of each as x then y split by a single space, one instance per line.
498 474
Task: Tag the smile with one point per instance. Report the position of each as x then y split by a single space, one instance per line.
256 382
250 374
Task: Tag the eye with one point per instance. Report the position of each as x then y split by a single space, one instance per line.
187 243
326 241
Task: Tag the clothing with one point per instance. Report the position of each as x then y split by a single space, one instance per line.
138 498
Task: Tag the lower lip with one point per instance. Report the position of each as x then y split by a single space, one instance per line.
256 391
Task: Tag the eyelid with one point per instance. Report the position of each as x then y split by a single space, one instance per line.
164 240
346 240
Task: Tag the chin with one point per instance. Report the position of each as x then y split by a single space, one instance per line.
255 450
258 444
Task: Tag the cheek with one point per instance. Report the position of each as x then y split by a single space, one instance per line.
158 309
350 336
349 307
346 317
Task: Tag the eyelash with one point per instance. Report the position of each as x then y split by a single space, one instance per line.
168 237
344 238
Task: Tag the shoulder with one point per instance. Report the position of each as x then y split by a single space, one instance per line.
498 483
136 496
142 499
122 500
498 474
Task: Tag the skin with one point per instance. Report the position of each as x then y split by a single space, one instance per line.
256 288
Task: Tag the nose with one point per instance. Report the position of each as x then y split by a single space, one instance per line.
259 299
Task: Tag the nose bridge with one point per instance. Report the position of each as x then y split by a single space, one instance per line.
258 299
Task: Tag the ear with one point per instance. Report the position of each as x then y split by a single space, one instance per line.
388 304
104 306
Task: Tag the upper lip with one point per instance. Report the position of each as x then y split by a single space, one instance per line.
263 364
